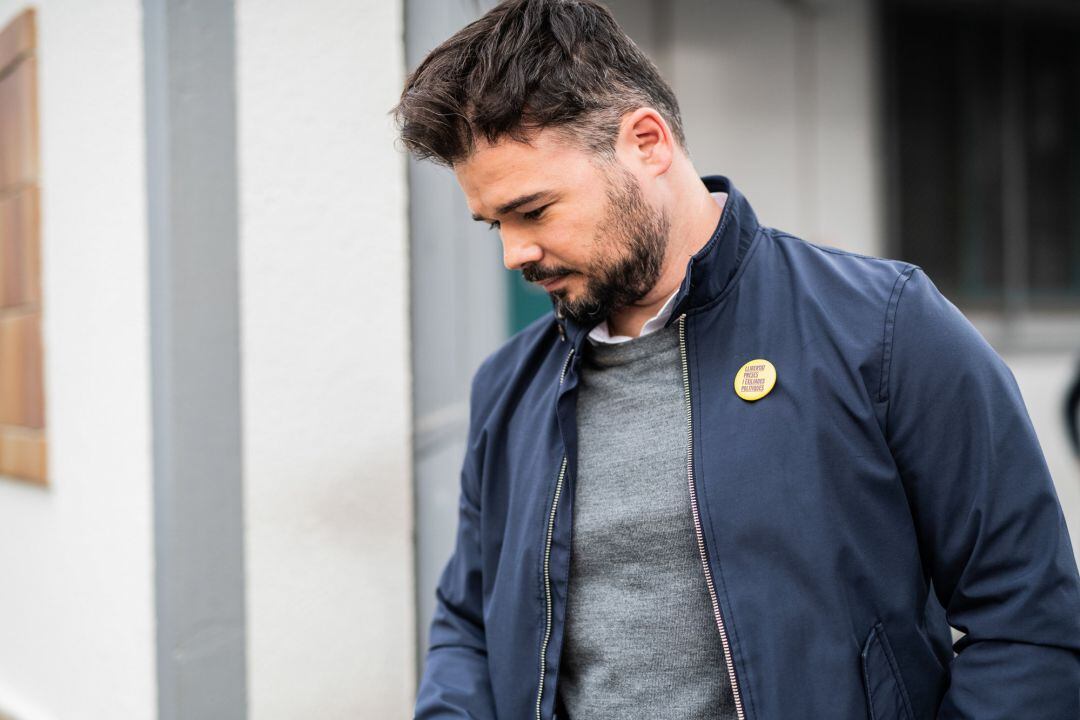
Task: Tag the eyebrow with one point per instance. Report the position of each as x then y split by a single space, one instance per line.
516 203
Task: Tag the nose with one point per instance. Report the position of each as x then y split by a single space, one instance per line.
518 249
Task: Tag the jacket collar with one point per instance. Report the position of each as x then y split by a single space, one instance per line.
710 271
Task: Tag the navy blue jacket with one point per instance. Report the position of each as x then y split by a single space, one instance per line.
890 485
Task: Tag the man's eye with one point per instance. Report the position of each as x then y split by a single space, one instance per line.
493 225
535 214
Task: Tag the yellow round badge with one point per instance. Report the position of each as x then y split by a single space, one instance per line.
755 379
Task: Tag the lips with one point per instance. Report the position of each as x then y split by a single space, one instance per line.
551 282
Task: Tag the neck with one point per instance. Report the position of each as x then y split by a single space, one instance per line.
694 215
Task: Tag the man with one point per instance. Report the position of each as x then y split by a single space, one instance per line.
733 474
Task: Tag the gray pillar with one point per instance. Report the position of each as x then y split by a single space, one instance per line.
459 310
195 358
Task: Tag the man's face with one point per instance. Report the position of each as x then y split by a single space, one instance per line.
578 226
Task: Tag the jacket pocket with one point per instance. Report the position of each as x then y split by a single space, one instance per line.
886 696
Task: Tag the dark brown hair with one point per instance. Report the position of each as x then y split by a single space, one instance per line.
525 65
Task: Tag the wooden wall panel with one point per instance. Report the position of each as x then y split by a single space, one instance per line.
18 125
23 454
20 262
23 442
21 396
18 38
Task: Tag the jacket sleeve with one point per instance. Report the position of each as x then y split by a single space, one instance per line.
455 684
990 526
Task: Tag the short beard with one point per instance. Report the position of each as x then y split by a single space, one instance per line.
636 235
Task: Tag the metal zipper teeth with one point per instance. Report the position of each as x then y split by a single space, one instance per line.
697 520
566 364
547 586
547 563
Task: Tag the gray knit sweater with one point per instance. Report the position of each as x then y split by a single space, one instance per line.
640 637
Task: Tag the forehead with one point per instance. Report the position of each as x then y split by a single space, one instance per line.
495 174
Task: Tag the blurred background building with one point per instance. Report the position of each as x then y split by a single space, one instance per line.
237 325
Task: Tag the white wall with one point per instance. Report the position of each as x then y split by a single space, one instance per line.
780 99
326 374
325 361
76 610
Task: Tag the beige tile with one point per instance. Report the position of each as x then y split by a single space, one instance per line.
18 126
33 385
29 219
11 372
18 37
22 400
20 249
23 454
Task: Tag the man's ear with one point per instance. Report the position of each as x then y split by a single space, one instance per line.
645 141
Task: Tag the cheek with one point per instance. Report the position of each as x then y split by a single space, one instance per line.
562 245
585 239
578 244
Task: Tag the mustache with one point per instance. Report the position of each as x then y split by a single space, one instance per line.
533 273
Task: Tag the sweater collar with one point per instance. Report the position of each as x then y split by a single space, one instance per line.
710 271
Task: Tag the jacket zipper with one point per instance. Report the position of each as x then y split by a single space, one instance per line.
697 520
565 365
547 562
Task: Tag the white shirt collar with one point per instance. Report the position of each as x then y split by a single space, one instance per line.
601 334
